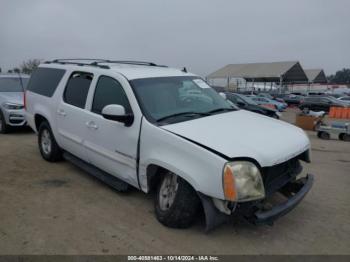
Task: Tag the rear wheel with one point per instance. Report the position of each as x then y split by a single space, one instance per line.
323 135
48 146
344 137
4 128
176 202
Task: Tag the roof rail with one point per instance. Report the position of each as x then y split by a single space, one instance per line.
75 61
100 62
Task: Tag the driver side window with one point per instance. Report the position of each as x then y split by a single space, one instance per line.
109 92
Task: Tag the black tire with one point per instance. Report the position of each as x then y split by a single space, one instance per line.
54 154
4 128
184 208
324 135
344 137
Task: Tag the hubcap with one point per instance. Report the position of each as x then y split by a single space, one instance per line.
46 142
168 191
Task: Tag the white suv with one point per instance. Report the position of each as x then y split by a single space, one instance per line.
165 130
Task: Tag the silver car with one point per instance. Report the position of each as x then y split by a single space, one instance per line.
12 88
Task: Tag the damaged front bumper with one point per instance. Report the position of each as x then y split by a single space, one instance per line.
257 212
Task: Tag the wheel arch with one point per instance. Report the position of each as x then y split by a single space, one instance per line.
39 119
154 173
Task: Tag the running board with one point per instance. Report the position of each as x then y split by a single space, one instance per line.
110 180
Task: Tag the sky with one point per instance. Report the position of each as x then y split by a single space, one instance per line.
203 35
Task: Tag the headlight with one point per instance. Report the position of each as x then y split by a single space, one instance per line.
242 182
12 106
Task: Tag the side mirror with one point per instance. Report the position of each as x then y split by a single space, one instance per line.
223 95
117 113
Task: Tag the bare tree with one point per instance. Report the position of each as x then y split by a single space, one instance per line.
27 67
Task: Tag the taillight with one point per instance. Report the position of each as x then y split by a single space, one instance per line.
24 100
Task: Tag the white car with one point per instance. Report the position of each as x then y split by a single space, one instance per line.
12 87
129 124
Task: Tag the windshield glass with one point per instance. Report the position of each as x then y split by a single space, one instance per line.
181 97
12 84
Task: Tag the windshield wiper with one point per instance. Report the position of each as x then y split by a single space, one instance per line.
220 110
182 114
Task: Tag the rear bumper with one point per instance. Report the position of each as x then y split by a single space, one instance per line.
296 192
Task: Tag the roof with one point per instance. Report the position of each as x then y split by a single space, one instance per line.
14 75
316 75
130 71
135 71
291 71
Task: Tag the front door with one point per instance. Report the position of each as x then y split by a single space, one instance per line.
112 146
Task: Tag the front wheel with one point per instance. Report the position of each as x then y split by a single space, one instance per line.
4 128
48 146
176 202
323 135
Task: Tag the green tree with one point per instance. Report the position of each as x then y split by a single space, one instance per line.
340 77
27 67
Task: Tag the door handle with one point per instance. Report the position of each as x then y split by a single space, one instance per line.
61 112
91 124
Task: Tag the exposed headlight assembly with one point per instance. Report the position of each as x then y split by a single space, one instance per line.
12 106
242 182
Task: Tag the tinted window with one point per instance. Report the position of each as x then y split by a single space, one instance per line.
13 84
44 81
77 89
109 92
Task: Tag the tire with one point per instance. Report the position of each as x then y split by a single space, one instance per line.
344 137
4 128
176 202
48 146
323 135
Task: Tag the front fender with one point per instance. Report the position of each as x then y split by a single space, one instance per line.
195 164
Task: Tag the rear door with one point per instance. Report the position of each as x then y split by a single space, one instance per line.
112 146
72 115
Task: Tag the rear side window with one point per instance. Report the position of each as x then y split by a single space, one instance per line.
77 89
109 92
44 81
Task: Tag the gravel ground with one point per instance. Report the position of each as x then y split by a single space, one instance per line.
57 209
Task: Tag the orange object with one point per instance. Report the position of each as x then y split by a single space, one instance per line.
229 184
338 111
332 112
344 113
348 115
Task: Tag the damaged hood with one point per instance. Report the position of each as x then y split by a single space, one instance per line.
245 134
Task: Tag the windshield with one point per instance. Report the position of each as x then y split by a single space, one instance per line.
12 84
181 98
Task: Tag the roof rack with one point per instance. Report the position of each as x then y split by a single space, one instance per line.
99 62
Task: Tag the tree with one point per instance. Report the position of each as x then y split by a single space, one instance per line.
340 77
27 67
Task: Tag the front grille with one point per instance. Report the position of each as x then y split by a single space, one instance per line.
277 176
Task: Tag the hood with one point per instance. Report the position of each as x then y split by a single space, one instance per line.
245 134
12 97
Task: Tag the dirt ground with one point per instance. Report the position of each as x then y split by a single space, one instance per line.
57 209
